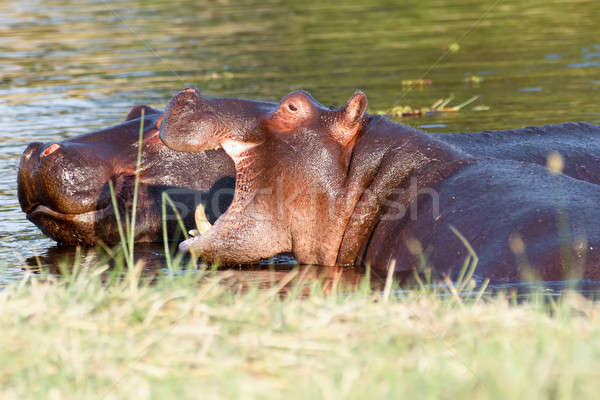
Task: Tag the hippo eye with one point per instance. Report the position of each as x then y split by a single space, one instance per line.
292 107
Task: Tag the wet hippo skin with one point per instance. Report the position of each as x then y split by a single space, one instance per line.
338 186
577 142
63 186
44 179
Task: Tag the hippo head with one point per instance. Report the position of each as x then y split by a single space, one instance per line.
291 162
63 187
195 123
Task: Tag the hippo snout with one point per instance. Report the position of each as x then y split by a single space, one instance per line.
26 189
66 178
189 122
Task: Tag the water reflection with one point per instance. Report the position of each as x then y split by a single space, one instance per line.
282 273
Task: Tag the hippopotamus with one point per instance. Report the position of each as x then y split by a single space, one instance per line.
63 187
338 186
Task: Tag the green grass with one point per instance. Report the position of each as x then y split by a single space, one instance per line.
190 335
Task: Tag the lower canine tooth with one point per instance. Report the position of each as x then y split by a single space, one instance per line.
202 223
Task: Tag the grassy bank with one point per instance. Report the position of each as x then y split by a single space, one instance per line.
193 337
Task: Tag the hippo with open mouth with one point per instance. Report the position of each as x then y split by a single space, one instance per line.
337 186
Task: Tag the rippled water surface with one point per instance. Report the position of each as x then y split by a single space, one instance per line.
68 67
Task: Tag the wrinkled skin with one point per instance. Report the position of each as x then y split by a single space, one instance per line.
340 187
63 186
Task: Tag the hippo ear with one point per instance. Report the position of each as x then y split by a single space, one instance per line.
355 108
136 112
351 118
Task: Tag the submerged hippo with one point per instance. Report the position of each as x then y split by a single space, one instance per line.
63 186
338 186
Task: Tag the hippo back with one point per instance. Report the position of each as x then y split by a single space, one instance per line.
577 142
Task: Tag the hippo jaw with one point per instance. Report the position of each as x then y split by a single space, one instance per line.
238 152
82 225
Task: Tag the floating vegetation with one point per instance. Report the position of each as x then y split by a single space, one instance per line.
473 79
440 106
417 82
220 75
453 48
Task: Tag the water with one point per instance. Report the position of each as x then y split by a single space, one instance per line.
68 67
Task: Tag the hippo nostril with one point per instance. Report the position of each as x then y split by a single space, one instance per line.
50 149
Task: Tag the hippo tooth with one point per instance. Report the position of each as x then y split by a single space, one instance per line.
186 244
202 223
